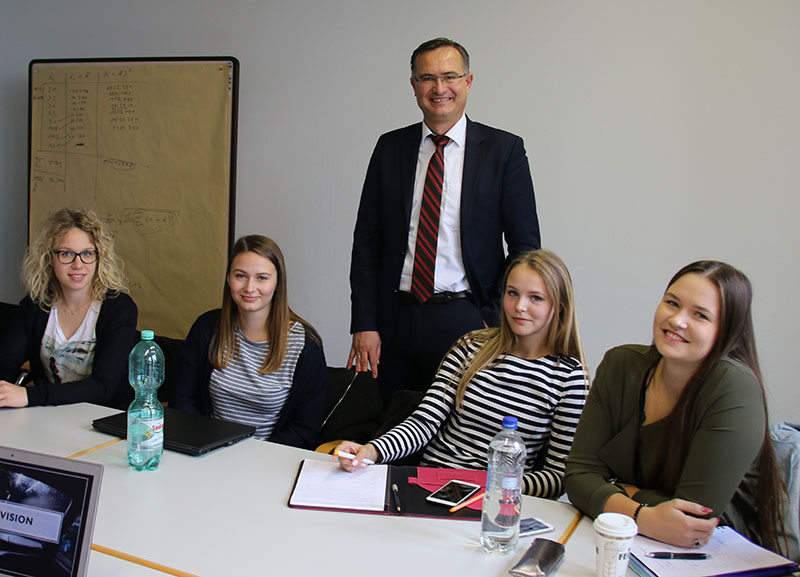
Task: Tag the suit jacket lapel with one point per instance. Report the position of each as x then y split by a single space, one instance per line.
408 155
473 161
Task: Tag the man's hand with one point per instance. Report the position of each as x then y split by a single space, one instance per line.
366 352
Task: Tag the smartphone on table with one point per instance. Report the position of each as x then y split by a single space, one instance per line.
453 493
533 526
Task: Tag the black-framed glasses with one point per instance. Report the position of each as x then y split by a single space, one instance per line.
431 79
68 256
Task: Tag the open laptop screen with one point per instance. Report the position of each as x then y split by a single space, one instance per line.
47 512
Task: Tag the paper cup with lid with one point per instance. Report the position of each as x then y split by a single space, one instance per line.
614 534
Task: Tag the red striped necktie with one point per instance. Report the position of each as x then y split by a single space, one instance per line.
428 228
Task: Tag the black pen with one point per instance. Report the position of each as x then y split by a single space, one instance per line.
686 556
396 497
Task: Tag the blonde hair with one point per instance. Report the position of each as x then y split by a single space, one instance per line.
281 316
562 339
38 276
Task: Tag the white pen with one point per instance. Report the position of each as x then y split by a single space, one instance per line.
350 456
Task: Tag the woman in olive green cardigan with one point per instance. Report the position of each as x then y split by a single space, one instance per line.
670 430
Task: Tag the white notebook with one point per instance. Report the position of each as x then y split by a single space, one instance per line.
324 484
730 554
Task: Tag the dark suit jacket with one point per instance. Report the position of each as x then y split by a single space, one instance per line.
496 199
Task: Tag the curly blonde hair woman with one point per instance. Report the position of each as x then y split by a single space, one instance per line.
38 275
76 325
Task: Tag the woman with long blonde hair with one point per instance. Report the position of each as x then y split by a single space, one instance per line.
530 368
77 324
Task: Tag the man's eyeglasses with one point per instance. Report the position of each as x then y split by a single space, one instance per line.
68 256
431 79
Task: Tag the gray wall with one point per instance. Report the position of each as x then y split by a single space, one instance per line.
658 133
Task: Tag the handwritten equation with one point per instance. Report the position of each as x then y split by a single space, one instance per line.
144 220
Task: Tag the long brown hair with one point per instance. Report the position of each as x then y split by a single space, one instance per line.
735 340
563 338
281 316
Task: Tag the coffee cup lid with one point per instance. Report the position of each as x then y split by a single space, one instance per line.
615 525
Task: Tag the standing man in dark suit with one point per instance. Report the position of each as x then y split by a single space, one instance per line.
472 188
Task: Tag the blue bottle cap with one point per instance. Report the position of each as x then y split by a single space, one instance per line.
509 422
147 335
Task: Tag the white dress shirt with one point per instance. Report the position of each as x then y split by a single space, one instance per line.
449 273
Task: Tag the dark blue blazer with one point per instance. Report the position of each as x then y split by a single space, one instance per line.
496 199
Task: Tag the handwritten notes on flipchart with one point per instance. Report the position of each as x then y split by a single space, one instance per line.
148 145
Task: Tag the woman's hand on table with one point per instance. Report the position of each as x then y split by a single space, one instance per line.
676 522
361 452
12 395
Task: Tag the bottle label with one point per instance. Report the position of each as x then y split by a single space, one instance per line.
509 482
152 431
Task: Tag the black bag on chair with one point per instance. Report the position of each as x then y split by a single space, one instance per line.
354 410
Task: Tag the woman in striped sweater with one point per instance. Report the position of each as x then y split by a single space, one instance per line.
255 361
531 368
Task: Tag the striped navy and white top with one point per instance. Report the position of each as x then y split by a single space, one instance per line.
241 394
545 394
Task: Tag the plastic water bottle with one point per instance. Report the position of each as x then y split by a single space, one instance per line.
145 413
501 504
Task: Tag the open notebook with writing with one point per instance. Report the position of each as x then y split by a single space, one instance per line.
324 485
729 553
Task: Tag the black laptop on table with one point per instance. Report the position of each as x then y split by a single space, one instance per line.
188 433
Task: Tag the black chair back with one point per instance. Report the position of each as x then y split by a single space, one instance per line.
354 409
7 313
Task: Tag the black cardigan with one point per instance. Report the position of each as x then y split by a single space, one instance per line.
107 385
301 417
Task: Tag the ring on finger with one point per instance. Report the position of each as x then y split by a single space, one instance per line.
697 543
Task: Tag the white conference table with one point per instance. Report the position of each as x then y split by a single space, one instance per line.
107 566
61 431
225 514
